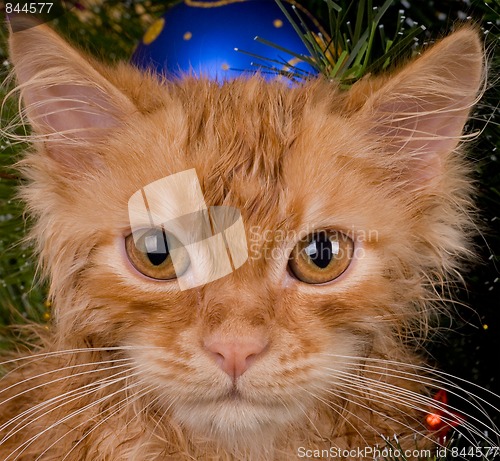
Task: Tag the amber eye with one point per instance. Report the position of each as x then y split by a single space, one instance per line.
150 254
321 257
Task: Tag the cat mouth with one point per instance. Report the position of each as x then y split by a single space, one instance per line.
234 395
233 415
238 397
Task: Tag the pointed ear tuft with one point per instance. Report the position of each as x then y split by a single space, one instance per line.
67 101
420 112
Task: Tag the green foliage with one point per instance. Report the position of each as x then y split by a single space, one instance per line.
348 53
17 298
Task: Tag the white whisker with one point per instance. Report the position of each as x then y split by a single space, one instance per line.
35 357
78 392
63 369
400 393
446 378
129 400
331 405
73 396
65 419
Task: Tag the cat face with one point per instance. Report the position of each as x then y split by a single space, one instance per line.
371 176
297 335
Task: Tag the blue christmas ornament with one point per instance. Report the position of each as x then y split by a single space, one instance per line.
199 37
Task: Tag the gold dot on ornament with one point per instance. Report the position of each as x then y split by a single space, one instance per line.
225 66
278 23
187 36
485 326
154 30
46 315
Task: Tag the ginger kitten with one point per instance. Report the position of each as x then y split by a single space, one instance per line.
355 206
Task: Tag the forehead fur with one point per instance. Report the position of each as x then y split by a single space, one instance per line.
243 125
254 144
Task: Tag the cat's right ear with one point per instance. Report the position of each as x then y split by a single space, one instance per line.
68 103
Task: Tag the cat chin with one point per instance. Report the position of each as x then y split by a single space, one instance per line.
236 423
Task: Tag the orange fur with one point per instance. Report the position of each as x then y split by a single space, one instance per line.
379 162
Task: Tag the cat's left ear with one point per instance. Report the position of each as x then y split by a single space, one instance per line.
418 115
69 103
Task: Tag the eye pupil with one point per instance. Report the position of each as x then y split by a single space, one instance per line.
320 250
156 248
157 258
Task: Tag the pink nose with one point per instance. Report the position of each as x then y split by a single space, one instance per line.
235 357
